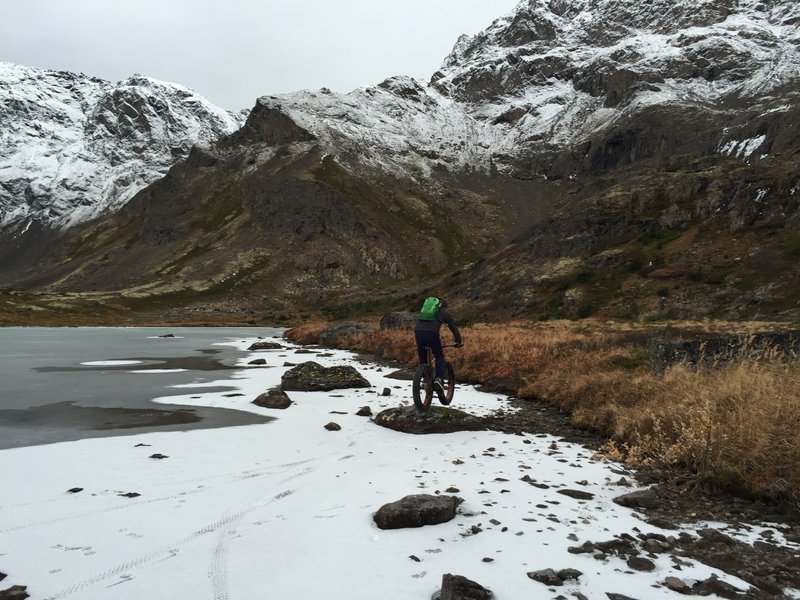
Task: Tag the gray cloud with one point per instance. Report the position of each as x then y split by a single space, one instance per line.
233 51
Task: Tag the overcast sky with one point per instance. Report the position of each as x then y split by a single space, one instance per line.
232 51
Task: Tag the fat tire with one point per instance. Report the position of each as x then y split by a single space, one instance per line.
449 384
421 388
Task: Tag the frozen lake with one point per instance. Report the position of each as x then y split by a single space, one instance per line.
59 384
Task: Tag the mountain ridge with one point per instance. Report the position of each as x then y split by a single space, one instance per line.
611 126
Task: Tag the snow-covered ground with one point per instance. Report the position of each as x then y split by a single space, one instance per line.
284 509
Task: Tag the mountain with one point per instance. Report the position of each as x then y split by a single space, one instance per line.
74 146
576 157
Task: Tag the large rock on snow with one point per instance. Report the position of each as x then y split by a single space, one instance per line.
313 377
438 419
274 398
416 511
457 587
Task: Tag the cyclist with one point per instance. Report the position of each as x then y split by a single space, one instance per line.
426 331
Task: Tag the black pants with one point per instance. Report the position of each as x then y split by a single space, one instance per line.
432 340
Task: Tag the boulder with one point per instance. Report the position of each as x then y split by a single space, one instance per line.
457 587
402 374
438 419
266 346
639 499
274 398
417 511
342 330
398 320
16 592
313 377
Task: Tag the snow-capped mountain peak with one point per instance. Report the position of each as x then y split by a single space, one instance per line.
72 146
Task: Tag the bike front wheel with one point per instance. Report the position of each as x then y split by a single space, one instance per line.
422 387
449 384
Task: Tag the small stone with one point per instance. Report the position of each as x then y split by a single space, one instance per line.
414 558
131 495
577 494
386 392
265 346
547 577
487 559
258 361
567 574
677 585
452 490
364 411
158 456
74 490
333 426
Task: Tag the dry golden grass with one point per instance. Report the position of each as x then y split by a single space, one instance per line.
738 424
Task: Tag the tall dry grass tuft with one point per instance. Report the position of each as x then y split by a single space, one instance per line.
740 422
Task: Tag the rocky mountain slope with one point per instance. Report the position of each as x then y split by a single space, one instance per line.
642 158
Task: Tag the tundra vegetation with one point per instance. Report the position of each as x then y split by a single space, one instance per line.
731 427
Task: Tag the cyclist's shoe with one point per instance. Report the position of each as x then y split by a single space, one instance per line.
438 385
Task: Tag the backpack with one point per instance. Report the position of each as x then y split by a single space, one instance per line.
429 309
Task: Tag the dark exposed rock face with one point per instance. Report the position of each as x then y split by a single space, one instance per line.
269 125
274 398
436 420
313 377
417 511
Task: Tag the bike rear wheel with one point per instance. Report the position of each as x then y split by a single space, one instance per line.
422 387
